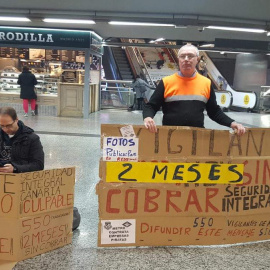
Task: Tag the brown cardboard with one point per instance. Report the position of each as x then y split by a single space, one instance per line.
31 193
173 142
36 212
33 235
7 265
237 213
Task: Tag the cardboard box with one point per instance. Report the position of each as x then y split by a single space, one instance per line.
141 214
36 212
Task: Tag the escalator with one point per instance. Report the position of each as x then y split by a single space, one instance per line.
122 63
240 99
109 65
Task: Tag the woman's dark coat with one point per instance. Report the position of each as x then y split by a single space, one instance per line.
27 81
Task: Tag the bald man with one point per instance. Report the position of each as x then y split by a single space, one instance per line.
184 96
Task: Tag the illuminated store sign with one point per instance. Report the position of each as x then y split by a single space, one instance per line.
45 37
25 37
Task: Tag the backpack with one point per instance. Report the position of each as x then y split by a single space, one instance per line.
76 219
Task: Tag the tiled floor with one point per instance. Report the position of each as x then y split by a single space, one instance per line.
69 142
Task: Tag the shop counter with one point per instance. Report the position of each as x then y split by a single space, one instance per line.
14 97
70 102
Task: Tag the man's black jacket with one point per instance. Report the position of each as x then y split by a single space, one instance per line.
26 152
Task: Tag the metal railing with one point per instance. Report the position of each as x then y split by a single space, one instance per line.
138 62
116 94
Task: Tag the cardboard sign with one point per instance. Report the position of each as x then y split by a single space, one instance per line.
173 173
36 212
120 149
190 213
181 143
36 192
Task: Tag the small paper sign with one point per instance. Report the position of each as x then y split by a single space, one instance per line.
127 131
120 149
121 231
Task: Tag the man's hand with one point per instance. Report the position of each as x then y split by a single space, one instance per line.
8 168
238 128
150 124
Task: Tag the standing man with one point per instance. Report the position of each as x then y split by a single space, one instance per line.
27 81
140 87
20 148
183 97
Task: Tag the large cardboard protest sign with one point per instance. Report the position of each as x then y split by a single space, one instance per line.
36 211
163 205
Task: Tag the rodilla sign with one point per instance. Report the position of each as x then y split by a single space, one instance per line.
45 37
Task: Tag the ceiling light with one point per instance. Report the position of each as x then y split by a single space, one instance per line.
49 20
139 23
234 52
251 30
207 46
268 34
14 19
159 39
221 52
152 41
180 26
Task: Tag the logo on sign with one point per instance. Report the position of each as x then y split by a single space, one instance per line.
127 224
246 99
108 225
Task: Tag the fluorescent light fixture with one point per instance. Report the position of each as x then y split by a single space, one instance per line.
251 30
226 52
139 23
222 52
207 46
180 26
268 34
159 39
14 19
50 29
50 20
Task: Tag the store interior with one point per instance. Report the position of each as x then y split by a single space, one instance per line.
49 66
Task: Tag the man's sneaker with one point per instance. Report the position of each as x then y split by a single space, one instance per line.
33 113
26 115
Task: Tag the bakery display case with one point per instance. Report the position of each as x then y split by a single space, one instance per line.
60 77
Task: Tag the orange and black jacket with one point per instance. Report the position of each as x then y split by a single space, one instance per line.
183 101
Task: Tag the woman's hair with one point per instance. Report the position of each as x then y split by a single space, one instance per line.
25 68
9 111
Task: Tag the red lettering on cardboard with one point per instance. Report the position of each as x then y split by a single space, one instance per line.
171 194
4 245
193 200
135 201
109 209
6 203
210 193
149 200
